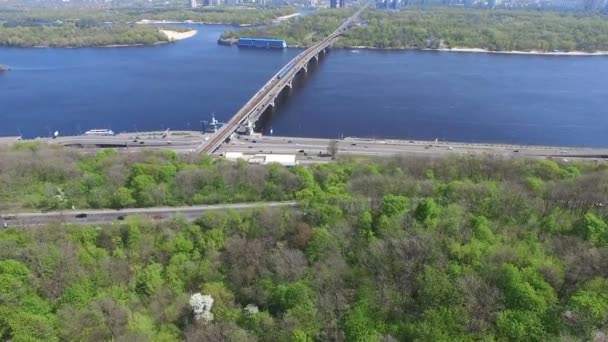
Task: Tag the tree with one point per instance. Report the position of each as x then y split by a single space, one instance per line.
427 211
201 306
393 205
359 325
123 198
589 306
149 279
594 228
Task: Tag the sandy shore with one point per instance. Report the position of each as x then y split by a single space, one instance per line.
533 52
478 50
174 35
286 17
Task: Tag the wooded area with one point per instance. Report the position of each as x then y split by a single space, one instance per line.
70 35
432 249
222 15
88 27
494 30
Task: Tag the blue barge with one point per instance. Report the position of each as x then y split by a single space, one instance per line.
264 43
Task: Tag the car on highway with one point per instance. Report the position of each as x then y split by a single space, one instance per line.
81 215
120 218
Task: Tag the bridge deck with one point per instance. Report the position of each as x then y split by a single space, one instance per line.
267 94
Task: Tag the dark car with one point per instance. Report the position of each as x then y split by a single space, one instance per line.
81 215
121 218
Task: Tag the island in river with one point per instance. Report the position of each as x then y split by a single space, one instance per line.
115 27
449 29
72 35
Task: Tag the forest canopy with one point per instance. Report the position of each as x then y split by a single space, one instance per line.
403 248
223 15
70 35
494 30
89 27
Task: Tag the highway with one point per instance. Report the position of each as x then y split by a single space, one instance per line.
108 216
267 93
178 141
315 149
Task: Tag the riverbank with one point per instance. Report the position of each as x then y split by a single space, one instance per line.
165 22
478 50
174 35
546 53
69 35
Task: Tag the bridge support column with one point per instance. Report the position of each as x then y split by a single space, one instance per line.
317 57
250 126
272 103
290 83
305 68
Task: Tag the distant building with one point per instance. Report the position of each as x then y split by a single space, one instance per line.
193 4
342 3
333 3
563 4
389 4
592 5
264 159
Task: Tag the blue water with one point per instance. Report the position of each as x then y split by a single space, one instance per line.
130 88
398 94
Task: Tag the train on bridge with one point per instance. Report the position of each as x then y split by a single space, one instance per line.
285 70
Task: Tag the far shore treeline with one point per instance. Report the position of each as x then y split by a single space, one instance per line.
85 27
434 28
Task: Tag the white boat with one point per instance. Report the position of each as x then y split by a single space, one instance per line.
99 132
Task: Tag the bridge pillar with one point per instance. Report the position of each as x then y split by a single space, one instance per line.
290 83
305 68
250 126
317 57
272 103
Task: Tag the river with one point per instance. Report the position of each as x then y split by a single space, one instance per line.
474 97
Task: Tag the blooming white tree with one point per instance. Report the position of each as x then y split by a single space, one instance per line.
251 309
201 305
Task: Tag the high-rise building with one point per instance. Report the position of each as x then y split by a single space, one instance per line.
192 3
342 3
333 3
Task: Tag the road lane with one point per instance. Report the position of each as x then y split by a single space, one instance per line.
108 215
313 148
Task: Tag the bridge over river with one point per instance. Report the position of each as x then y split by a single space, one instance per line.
266 96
